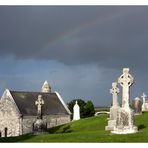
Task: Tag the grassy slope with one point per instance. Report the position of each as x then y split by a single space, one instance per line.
87 130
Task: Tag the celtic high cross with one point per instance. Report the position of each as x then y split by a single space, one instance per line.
125 80
39 104
114 91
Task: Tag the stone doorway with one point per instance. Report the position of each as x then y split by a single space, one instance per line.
6 130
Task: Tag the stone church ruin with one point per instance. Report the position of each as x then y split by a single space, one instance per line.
29 112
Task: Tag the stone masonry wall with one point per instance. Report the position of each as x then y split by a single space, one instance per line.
27 124
10 123
55 120
52 120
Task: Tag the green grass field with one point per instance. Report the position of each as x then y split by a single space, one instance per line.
87 130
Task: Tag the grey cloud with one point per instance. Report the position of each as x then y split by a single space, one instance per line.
105 35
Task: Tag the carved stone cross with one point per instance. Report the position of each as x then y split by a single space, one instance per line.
39 104
143 97
125 80
114 91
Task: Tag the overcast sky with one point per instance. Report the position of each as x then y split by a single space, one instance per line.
79 50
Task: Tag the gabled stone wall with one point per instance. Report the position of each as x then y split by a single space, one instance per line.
10 123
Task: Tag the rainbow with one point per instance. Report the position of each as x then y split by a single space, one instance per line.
67 35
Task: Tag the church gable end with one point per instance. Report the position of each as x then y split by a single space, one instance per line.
9 116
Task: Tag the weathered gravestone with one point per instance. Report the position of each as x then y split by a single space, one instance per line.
113 110
137 106
145 103
125 115
76 111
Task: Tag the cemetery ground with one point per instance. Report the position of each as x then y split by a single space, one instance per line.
87 130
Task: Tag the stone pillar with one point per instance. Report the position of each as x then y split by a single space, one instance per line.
113 110
76 111
125 115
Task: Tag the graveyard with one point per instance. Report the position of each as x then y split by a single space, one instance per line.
94 58
88 130
123 123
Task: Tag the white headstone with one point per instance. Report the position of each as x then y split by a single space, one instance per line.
144 97
46 87
76 111
145 103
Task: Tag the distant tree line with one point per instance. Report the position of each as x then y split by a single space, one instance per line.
86 108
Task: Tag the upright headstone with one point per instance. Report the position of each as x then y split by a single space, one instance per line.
113 110
137 106
76 111
125 115
145 103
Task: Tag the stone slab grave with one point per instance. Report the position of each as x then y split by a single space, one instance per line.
125 115
113 110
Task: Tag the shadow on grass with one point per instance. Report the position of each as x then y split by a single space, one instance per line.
141 126
22 138
67 129
16 139
55 130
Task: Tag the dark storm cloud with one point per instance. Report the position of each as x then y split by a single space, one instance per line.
106 35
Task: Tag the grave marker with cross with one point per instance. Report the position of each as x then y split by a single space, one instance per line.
125 80
39 104
114 91
143 97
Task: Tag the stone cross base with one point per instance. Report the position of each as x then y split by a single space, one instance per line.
111 125
125 130
125 122
140 113
113 112
113 117
39 126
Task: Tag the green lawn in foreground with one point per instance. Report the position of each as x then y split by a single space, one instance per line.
87 130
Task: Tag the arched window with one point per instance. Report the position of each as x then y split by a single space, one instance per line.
6 131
